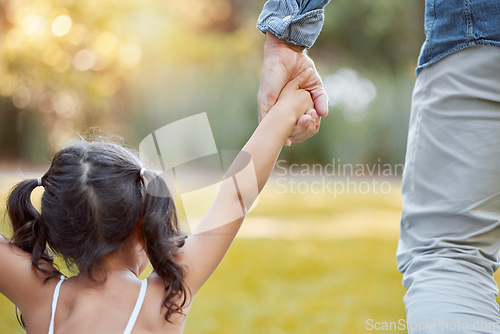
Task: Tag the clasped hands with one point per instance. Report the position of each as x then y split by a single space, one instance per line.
283 62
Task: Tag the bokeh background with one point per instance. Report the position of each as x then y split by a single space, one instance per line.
306 261
131 66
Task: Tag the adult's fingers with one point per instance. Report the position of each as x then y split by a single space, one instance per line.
314 85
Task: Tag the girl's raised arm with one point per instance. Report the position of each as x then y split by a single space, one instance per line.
210 240
20 280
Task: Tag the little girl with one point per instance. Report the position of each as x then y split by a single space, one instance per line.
98 215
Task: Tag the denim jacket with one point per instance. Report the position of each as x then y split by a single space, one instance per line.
453 25
450 25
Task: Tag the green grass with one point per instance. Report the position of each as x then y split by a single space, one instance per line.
300 286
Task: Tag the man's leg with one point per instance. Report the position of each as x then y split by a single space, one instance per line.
450 226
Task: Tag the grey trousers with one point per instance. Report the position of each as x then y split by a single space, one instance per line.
450 225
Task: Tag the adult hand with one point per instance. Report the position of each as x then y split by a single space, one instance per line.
283 61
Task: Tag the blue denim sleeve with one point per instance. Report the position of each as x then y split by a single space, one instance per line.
296 21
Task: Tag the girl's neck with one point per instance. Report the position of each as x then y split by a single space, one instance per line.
127 263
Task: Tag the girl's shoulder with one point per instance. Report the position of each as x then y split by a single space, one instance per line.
36 311
21 282
156 292
153 302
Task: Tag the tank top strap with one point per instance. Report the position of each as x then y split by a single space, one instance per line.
55 298
137 308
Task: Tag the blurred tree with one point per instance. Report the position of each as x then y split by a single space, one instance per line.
371 33
67 65
214 15
130 66
60 61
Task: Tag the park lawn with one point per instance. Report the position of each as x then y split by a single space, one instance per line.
300 286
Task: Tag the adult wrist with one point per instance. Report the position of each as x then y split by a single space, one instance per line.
274 42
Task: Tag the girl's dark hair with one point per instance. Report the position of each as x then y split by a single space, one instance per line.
94 197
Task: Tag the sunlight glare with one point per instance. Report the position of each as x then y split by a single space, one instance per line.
61 25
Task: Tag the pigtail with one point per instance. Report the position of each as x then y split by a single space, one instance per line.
29 231
163 237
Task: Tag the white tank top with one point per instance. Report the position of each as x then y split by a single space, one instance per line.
131 320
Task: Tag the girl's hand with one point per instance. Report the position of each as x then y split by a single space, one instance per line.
294 98
296 105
